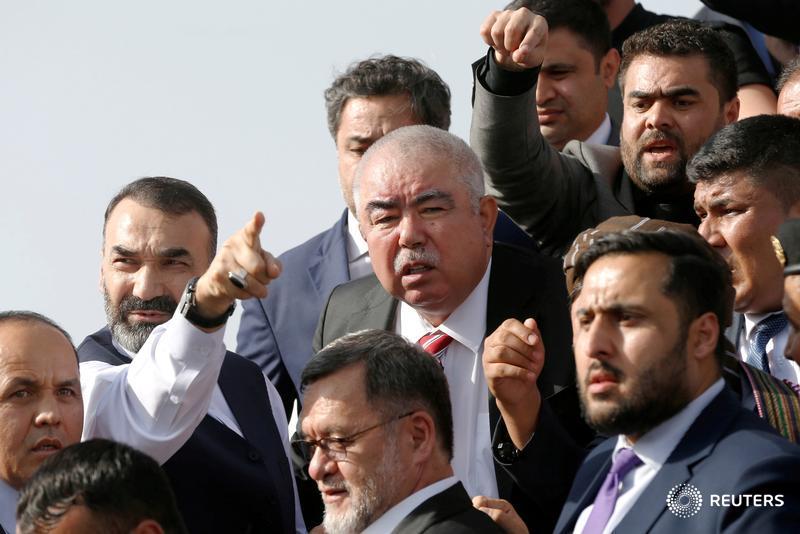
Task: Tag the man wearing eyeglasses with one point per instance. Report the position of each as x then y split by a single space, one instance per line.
377 432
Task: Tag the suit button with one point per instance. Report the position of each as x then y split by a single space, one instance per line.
253 456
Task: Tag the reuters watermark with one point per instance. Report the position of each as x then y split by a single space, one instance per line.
685 500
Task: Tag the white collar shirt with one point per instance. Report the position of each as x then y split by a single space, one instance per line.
469 394
780 366
395 515
654 448
358 262
603 132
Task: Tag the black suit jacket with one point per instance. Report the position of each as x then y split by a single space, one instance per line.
521 284
727 451
448 512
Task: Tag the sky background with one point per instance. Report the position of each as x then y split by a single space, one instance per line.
227 95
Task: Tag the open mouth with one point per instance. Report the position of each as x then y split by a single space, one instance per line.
415 268
47 445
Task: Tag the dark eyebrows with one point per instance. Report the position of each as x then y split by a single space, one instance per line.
433 194
374 205
558 67
71 382
172 252
682 90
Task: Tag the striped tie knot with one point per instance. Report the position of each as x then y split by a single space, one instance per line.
435 343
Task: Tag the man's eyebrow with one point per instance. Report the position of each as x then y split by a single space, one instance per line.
360 139
672 92
374 205
120 250
22 381
173 252
433 194
559 66
71 382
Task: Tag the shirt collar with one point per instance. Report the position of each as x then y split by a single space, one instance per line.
394 515
601 134
467 323
8 506
656 445
356 246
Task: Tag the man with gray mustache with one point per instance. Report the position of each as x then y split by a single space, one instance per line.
442 281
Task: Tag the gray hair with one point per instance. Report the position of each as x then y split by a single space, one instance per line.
399 376
391 75
410 142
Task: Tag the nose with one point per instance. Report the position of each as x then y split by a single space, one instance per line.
708 229
659 116
49 411
412 231
594 342
148 282
544 91
321 465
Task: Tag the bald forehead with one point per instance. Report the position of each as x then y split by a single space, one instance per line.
789 98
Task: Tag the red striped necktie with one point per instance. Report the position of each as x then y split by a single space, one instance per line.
435 343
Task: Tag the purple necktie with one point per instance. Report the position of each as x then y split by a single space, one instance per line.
607 496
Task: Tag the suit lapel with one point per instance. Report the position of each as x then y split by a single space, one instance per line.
698 442
329 266
576 503
435 510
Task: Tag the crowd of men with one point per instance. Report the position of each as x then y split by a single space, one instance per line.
585 320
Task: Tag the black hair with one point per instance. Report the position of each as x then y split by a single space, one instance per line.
120 485
400 376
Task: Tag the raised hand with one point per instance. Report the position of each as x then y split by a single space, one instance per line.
519 38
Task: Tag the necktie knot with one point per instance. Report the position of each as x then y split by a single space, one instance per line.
434 343
606 499
765 330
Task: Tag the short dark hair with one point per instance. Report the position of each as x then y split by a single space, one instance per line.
789 72
399 376
120 485
170 195
685 38
766 148
391 75
25 316
585 18
698 278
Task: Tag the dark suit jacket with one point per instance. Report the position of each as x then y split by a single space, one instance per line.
521 284
727 450
224 482
448 512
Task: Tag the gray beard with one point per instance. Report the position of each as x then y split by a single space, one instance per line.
133 336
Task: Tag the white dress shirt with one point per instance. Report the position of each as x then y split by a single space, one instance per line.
156 402
8 507
779 365
358 262
472 456
654 448
601 135
394 515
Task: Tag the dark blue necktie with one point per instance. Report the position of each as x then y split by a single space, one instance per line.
762 333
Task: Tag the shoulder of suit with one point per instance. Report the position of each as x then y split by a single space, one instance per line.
600 159
300 253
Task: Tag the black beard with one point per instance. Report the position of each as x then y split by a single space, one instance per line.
132 336
663 179
659 393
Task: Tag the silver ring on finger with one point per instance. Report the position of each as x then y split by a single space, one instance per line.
239 278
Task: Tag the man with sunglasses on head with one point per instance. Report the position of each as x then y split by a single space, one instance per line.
377 432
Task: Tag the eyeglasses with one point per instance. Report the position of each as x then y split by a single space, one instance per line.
335 448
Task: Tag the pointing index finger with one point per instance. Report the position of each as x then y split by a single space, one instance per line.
252 231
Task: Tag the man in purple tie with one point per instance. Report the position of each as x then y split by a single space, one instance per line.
682 454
